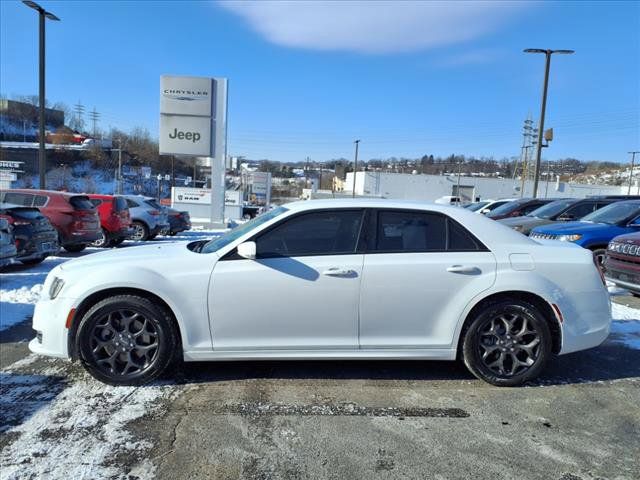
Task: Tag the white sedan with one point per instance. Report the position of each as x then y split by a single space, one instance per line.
330 279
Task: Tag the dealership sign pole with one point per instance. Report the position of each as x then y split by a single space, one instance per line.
193 122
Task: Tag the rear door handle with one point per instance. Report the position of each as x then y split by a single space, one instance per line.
464 269
339 272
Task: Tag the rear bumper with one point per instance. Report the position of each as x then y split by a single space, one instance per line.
82 236
587 320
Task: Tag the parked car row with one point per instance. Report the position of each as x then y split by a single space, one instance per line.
609 226
37 223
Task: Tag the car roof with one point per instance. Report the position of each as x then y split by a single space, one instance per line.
45 192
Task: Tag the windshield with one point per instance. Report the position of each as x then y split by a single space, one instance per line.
506 208
217 243
614 213
552 209
474 207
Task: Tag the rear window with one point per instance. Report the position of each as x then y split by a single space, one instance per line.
81 202
120 204
153 204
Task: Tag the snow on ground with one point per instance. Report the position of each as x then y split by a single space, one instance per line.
20 285
626 326
71 431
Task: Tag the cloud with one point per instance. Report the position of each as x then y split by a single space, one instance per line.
471 57
373 26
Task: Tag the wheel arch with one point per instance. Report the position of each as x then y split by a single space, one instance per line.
536 300
95 297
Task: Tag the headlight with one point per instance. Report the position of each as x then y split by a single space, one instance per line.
569 238
55 287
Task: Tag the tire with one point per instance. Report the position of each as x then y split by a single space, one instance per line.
117 241
599 254
489 327
141 232
75 248
151 237
116 339
103 242
33 261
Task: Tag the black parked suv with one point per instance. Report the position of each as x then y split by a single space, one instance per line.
35 237
564 210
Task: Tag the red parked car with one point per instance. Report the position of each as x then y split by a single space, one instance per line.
72 214
622 262
114 219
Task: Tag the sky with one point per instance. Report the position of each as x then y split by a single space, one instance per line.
307 79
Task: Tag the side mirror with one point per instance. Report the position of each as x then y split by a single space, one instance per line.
247 250
484 211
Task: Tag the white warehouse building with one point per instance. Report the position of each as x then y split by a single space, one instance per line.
432 187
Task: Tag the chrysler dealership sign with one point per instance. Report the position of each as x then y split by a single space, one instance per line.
187 115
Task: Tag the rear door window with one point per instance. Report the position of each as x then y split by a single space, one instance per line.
40 200
17 198
81 202
131 203
404 231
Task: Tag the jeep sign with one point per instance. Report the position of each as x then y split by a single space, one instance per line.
185 135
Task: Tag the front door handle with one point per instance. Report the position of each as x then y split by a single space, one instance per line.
339 272
464 269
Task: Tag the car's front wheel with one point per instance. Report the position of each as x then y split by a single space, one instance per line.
127 340
75 248
507 343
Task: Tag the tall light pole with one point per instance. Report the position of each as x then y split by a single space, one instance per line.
42 156
633 160
543 108
355 169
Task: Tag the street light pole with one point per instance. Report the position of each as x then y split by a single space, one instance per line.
42 156
543 108
633 159
355 169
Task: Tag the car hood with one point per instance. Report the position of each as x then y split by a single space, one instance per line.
573 227
142 256
630 238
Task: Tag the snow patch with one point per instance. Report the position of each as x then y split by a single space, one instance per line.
625 327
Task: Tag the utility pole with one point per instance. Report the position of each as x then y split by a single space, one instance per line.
94 116
633 159
458 187
543 108
355 169
79 110
42 153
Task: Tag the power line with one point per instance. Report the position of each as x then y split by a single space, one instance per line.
94 116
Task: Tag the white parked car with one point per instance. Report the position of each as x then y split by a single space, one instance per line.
330 279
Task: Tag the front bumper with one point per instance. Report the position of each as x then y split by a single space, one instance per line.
49 319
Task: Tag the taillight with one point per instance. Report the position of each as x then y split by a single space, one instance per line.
155 213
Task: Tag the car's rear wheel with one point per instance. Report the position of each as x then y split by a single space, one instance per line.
507 343
102 242
127 340
75 248
140 232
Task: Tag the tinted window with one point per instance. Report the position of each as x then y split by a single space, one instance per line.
81 202
40 200
552 209
120 204
410 232
318 233
95 201
580 210
154 204
131 203
14 198
505 208
530 208
460 239
618 212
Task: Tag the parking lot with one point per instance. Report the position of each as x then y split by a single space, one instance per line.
319 419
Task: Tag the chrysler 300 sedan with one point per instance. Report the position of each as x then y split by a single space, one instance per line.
330 279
